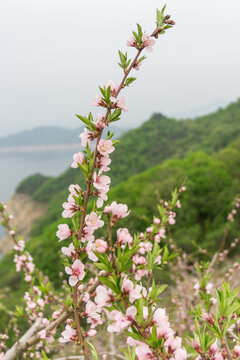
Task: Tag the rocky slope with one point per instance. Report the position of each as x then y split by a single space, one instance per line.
25 212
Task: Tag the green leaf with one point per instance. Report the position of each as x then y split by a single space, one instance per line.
154 334
139 306
139 41
129 353
135 336
165 254
84 120
127 266
108 94
101 267
75 221
130 80
109 283
110 136
44 356
115 115
84 168
121 56
76 242
103 91
93 350
160 17
140 33
19 311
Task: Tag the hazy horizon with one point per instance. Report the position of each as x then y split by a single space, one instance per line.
192 113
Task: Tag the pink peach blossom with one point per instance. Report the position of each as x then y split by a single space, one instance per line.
56 314
160 316
74 189
114 87
98 101
127 285
132 41
91 309
148 42
143 352
236 351
91 333
63 232
121 104
69 334
171 220
102 297
78 158
101 182
20 246
77 272
86 297
140 273
103 162
102 196
145 247
90 248
136 293
173 343
217 356
69 251
145 313
105 147
93 221
120 322
137 65
119 211
70 207
139 260
100 122
86 137
101 246
131 312
124 237
181 354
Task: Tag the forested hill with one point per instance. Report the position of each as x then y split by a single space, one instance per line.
213 182
157 140
161 138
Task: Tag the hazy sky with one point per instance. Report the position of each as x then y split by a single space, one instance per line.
54 54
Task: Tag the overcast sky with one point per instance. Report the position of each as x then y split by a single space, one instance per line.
55 53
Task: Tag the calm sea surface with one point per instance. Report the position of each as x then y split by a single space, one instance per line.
14 168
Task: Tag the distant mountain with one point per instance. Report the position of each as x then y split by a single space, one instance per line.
48 135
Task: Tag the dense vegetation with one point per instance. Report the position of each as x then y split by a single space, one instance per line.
31 184
162 153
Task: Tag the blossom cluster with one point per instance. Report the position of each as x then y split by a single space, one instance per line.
231 216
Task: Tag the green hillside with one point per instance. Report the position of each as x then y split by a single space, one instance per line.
148 164
213 182
157 140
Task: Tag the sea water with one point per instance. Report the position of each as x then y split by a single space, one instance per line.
16 167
